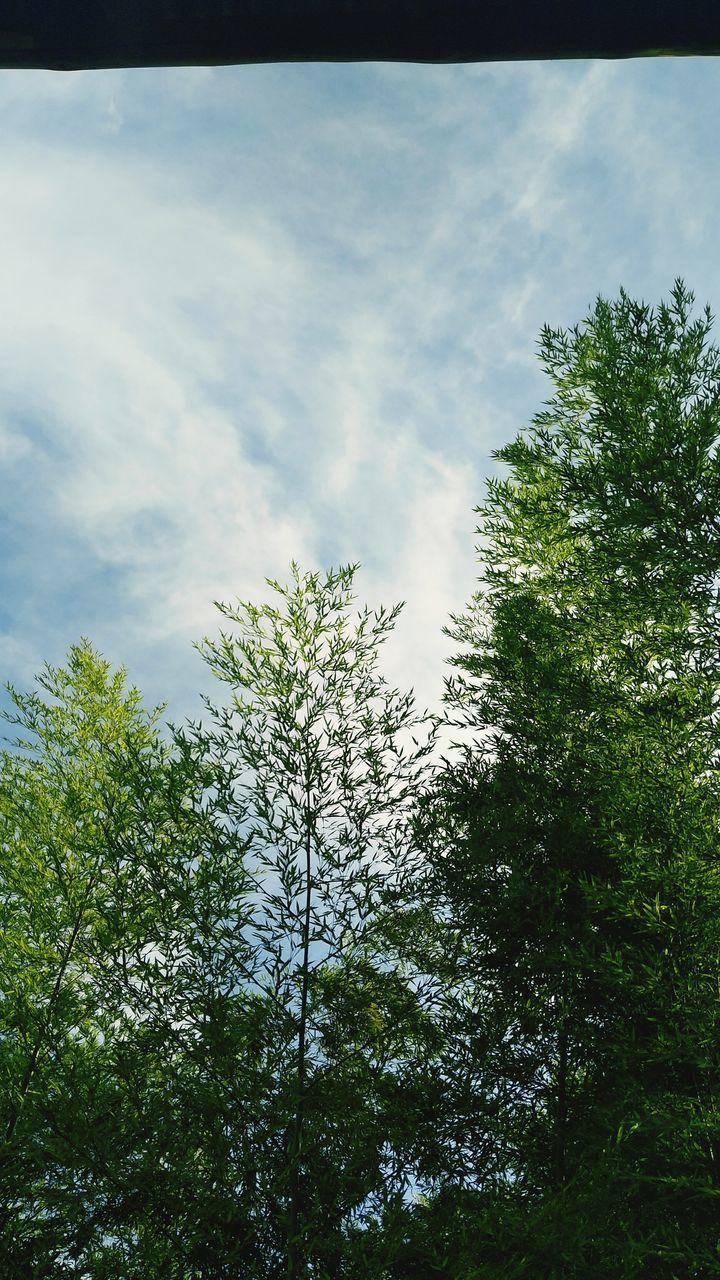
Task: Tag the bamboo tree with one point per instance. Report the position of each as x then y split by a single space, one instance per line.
153 1093
329 788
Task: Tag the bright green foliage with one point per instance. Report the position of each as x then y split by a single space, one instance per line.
60 912
203 1057
577 853
116 1145
254 978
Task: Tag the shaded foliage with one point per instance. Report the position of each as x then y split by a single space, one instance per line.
263 979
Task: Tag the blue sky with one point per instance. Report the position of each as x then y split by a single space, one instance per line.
261 312
258 313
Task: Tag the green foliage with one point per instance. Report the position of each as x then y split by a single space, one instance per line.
113 887
180 920
258 980
579 862
330 787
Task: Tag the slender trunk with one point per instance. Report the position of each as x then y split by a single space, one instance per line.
33 1060
714 1168
561 1113
294 1253
561 1087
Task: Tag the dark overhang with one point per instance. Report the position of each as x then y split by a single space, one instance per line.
72 35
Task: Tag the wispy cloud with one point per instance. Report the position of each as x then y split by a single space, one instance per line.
258 313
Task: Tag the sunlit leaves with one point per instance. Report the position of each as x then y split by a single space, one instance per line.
581 861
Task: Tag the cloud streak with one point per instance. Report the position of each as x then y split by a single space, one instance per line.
259 313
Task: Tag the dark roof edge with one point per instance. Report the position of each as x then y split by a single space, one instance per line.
75 35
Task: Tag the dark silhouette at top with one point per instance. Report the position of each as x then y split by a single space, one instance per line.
67 35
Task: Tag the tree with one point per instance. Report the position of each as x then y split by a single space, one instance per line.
115 1155
62 894
257 978
575 854
184 1098
311 760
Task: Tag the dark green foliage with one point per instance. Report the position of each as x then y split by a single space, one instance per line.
580 862
172 1108
257 979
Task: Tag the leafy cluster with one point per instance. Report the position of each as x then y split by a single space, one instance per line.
284 994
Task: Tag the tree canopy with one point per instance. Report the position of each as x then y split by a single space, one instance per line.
287 993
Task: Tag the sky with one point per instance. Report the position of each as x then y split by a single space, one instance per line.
258 313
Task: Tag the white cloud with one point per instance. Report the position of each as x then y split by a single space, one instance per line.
271 312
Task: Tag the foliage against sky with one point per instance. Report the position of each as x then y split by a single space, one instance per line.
559 1097
273 311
